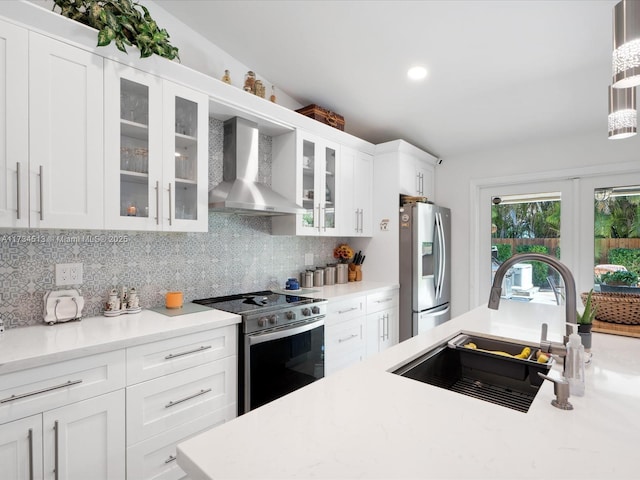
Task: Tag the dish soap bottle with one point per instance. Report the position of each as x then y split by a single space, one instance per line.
574 364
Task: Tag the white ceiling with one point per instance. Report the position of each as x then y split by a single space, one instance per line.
500 72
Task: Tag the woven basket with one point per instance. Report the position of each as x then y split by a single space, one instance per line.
615 307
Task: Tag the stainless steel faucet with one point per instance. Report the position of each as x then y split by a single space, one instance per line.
565 273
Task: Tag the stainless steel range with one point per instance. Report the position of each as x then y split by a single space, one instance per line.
281 343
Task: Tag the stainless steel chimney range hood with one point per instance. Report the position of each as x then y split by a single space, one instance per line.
240 192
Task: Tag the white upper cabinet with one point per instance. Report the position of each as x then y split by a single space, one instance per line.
356 206
51 131
416 176
65 135
156 168
14 126
305 169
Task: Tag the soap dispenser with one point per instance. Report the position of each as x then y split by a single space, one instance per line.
574 364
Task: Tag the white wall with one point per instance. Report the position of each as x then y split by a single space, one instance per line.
198 53
588 154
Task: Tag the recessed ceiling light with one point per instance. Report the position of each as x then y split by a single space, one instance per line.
417 73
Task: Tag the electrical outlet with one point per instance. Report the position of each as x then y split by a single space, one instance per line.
384 225
68 274
308 259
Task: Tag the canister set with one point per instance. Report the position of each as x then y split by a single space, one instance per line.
320 276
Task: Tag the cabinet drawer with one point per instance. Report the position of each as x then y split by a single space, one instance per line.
382 301
157 359
35 390
344 344
155 458
166 402
344 310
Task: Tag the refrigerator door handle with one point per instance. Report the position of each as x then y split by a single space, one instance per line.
443 255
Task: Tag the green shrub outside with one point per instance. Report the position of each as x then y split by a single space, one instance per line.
504 251
629 257
540 270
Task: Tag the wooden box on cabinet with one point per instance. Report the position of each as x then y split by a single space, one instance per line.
323 115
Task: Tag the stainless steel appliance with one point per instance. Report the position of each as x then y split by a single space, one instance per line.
425 266
281 343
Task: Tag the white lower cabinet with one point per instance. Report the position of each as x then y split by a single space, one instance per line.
177 388
156 457
86 439
166 402
21 449
344 342
382 321
64 420
358 327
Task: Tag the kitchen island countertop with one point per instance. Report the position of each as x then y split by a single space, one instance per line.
365 422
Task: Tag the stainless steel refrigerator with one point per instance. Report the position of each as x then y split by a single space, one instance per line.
425 267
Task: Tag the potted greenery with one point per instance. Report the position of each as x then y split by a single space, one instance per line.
585 320
122 22
622 281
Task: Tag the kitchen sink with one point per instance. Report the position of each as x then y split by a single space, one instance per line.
478 372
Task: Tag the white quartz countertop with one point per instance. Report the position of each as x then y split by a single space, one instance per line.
28 347
345 290
365 422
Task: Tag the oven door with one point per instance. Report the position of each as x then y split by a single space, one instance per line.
278 362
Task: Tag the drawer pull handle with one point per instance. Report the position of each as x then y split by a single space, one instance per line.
201 392
171 458
174 355
37 392
384 300
355 335
340 312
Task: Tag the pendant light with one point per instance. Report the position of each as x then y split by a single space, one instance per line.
623 115
626 44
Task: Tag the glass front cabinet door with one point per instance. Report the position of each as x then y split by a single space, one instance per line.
304 170
156 153
318 185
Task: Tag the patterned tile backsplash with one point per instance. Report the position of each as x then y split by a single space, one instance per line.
237 255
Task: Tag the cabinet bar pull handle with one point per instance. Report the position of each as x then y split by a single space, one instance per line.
340 312
174 355
56 461
355 335
41 192
384 300
361 220
171 458
319 222
356 212
201 392
30 454
18 190
157 202
170 204
37 392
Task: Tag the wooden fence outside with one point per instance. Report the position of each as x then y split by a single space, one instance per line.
602 245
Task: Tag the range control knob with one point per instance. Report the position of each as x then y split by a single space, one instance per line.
273 319
306 312
290 315
262 322
315 310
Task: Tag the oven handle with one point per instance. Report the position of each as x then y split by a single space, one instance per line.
286 332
